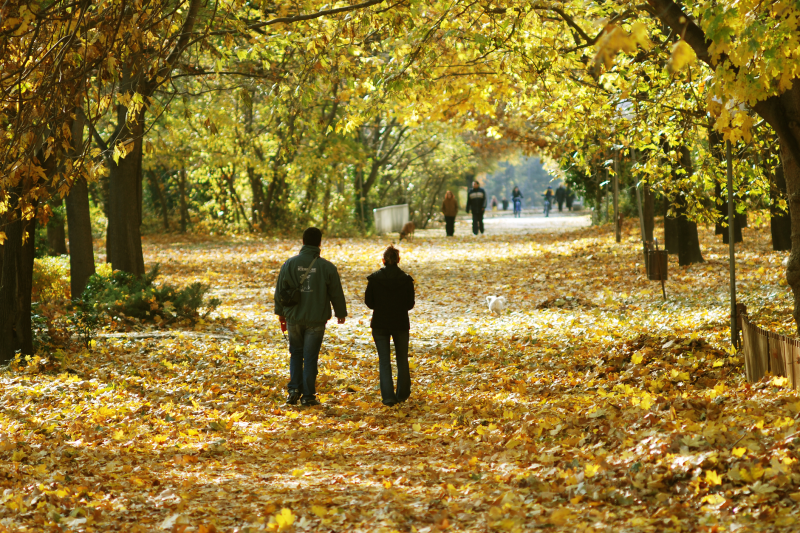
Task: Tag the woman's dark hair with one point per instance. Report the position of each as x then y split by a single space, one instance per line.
391 255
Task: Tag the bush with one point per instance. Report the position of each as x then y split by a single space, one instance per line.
51 279
125 295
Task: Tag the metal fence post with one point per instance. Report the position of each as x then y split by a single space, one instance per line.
732 247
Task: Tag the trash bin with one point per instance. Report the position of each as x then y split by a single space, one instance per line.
657 265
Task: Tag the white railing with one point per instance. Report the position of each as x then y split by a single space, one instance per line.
390 219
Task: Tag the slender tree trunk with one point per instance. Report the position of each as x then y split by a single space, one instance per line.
184 209
81 251
162 201
648 210
780 221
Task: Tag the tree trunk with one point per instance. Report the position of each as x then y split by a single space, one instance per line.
162 201
56 233
780 221
124 238
648 210
671 239
16 284
182 190
688 240
737 226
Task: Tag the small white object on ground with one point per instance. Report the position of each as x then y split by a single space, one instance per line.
496 303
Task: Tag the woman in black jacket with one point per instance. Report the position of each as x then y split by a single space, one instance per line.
390 294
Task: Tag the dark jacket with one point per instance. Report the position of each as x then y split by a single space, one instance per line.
476 200
561 194
390 294
321 289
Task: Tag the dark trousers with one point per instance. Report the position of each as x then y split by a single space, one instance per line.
477 222
304 344
450 225
400 338
560 204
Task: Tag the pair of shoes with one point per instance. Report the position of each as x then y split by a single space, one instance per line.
310 402
390 403
294 395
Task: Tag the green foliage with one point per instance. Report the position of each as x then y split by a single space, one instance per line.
124 295
51 279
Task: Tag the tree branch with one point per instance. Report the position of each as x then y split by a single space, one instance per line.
673 16
317 14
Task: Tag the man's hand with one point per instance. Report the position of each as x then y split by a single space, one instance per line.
282 320
340 320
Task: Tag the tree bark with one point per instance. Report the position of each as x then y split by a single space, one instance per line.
688 240
162 202
16 284
81 251
648 210
780 221
124 238
56 233
671 239
184 208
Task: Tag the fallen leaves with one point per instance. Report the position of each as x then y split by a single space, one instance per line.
609 409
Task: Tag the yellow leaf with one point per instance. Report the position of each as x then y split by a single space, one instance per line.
591 470
298 472
416 427
513 443
319 510
714 499
637 358
387 484
712 478
738 452
160 438
682 56
2 237
118 435
560 516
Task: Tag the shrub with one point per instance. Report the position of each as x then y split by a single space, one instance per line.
121 294
51 279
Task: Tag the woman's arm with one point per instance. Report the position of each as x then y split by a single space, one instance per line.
369 296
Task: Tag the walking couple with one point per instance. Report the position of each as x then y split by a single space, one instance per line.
308 285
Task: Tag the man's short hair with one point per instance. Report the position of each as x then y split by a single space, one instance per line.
312 237
476 183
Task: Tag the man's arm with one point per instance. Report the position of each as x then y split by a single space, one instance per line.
369 296
336 295
410 296
277 296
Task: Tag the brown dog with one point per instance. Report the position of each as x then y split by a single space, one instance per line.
407 231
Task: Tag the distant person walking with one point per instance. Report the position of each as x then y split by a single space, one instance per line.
307 286
548 201
561 195
516 198
570 197
494 205
476 203
390 295
450 210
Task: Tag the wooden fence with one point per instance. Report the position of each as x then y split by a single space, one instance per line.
765 351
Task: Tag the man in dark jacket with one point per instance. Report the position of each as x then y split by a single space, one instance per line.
390 294
306 320
476 202
561 195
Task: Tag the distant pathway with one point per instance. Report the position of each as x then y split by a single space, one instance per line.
530 222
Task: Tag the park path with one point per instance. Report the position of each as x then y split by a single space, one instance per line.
589 405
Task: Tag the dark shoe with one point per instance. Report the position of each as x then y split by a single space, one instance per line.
310 402
294 395
390 403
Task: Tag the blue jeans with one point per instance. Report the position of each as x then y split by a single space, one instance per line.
400 338
304 344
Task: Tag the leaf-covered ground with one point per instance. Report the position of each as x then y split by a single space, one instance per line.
591 405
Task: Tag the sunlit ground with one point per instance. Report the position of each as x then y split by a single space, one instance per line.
591 404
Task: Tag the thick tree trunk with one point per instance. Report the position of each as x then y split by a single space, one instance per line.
688 240
81 252
16 284
124 239
780 221
56 233
737 226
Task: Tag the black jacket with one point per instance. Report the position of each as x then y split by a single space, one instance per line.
390 294
476 200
